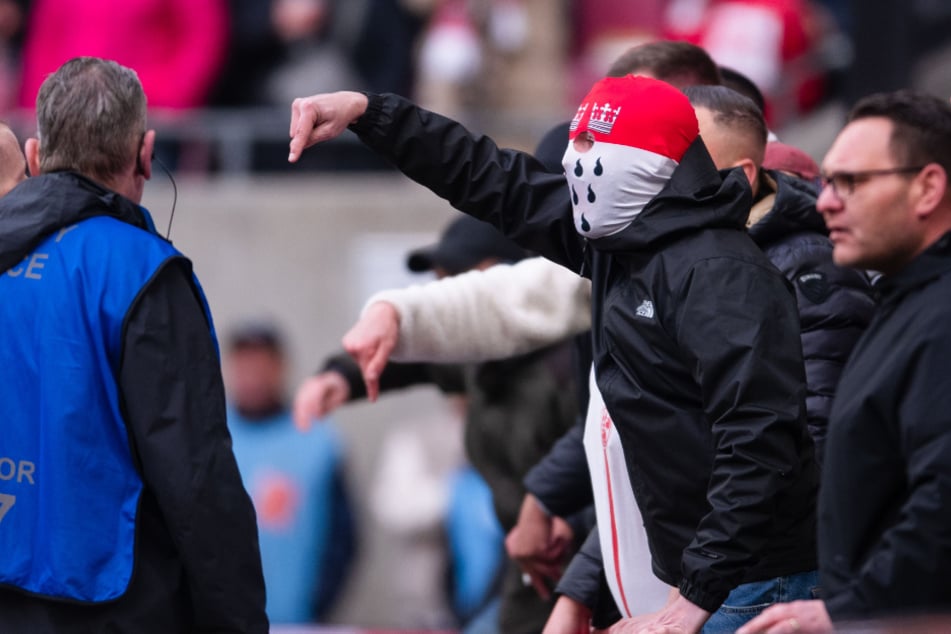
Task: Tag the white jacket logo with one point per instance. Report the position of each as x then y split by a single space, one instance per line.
646 309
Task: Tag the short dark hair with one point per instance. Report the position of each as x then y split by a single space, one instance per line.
921 131
742 84
731 109
678 63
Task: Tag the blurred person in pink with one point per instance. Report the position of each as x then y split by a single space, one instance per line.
602 30
773 42
176 47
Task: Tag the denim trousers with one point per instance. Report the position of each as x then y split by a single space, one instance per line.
746 601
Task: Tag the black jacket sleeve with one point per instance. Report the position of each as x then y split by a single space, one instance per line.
747 361
506 188
584 582
174 406
449 378
561 481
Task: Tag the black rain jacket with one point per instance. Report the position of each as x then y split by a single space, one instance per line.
708 393
884 512
835 305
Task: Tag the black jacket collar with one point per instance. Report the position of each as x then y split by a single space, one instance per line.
930 264
42 205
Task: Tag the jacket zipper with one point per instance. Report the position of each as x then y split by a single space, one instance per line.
584 257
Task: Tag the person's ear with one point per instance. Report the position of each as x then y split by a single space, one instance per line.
31 149
929 188
749 168
144 158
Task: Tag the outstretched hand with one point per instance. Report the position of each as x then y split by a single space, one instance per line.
321 118
371 342
318 396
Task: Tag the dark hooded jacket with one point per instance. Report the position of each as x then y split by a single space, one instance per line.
196 567
835 305
707 390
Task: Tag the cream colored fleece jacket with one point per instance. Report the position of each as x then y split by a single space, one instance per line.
503 311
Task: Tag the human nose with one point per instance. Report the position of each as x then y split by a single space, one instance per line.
829 200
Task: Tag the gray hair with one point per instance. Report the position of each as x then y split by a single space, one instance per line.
90 118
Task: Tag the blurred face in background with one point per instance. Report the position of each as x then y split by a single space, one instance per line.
254 380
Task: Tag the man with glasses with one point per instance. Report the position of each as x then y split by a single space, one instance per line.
884 517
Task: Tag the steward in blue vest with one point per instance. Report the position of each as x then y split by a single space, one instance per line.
121 506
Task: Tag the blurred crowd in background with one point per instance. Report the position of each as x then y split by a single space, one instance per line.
220 73
220 76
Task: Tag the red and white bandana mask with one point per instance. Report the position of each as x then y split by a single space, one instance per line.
641 128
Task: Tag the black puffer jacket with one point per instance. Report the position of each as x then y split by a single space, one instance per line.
835 303
706 387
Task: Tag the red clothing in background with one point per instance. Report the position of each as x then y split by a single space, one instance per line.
772 42
177 47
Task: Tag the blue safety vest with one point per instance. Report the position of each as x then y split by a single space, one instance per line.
69 489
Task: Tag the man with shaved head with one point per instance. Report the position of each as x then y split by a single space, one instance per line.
12 161
835 303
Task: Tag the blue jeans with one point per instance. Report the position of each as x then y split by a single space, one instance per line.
746 601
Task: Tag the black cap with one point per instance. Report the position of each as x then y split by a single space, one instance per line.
464 244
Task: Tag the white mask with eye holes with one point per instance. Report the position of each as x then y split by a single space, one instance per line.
611 184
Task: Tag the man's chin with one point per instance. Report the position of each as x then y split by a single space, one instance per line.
845 257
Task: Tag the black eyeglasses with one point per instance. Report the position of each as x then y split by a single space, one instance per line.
843 183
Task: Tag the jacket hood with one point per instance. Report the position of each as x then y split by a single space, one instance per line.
794 211
696 197
47 203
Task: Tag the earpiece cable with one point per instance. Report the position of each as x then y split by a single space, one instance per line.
171 179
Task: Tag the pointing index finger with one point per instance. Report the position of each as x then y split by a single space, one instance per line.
303 121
